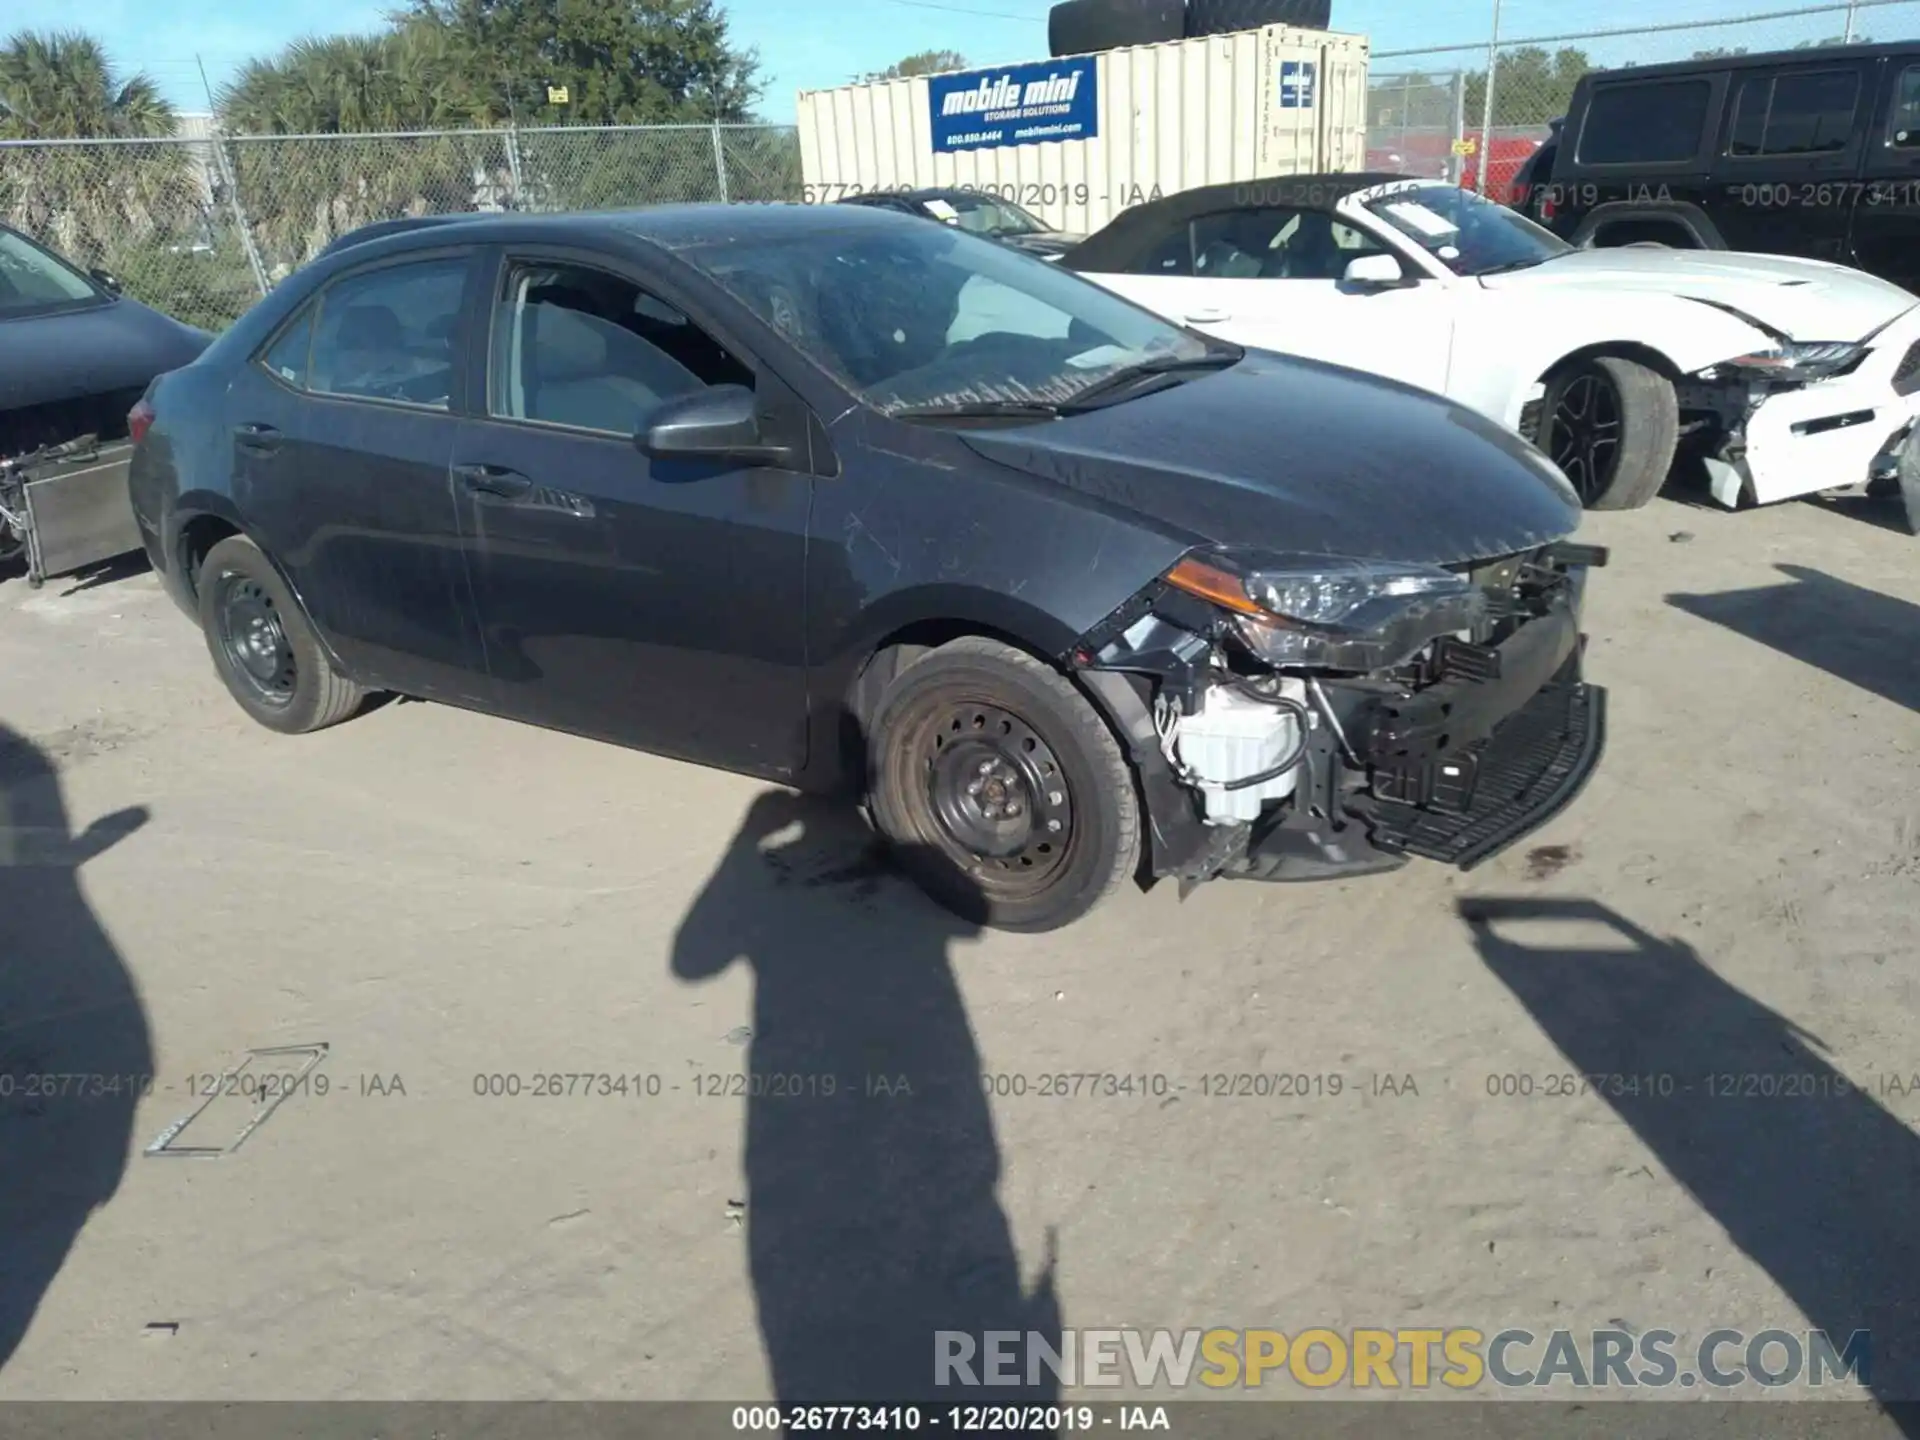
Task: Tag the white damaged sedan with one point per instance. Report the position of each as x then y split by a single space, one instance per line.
1784 376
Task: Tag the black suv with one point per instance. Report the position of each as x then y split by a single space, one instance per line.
1800 152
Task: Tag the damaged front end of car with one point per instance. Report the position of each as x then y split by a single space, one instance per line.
1307 717
1798 417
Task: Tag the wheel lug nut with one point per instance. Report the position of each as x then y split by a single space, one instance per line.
1013 807
986 767
1054 797
1053 825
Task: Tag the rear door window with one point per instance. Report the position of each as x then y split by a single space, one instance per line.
388 334
1655 122
1903 126
1806 113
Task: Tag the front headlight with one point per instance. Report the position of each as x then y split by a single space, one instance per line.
1796 360
1331 612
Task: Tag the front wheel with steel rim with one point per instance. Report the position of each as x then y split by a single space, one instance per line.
263 645
1611 425
1005 794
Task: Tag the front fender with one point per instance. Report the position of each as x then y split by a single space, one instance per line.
1527 336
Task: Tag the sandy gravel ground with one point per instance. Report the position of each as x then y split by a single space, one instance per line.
438 896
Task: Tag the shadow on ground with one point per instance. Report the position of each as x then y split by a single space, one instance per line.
1814 1180
872 1214
74 1048
1861 636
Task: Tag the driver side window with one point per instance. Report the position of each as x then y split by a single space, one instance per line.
1276 244
387 334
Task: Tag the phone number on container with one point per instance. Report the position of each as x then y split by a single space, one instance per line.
961 1419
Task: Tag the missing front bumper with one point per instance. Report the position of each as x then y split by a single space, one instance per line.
1489 796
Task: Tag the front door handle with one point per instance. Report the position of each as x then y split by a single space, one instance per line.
493 480
1206 317
263 439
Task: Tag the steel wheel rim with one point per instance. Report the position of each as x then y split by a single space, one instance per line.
996 796
253 639
1584 433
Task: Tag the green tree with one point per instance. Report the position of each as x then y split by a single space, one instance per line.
90 202
620 62
59 86
1530 86
926 62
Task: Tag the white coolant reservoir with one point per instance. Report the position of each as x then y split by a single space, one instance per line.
1233 736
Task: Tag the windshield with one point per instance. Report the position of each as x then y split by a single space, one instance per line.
924 317
31 279
983 214
1467 233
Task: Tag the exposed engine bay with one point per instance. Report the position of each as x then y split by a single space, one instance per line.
1323 717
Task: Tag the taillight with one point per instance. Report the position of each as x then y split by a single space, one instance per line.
139 420
1547 208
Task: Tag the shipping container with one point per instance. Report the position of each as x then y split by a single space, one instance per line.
1078 139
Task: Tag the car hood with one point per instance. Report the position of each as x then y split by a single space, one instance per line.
70 354
1802 299
1294 455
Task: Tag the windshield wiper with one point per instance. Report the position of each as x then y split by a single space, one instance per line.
979 410
1115 387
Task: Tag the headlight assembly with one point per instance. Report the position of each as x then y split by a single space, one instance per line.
1793 360
1332 612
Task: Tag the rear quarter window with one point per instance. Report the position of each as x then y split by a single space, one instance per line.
1652 122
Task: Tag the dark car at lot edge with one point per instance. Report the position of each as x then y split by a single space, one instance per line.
1814 153
978 212
75 355
849 501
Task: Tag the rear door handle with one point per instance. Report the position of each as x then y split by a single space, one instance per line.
257 437
493 480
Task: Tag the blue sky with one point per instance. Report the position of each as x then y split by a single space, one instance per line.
807 44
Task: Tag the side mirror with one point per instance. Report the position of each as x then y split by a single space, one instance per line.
714 424
1377 272
106 281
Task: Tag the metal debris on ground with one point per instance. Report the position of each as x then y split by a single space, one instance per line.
281 1087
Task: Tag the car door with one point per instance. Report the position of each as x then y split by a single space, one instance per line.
1788 155
1885 238
1274 277
652 603
342 431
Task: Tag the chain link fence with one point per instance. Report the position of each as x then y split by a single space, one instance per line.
203 227
1433 113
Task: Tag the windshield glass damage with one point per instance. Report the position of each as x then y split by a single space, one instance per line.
923 320
1467 233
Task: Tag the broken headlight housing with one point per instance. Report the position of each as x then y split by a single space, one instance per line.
1332 612
1795 360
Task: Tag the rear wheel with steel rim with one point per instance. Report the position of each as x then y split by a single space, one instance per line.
1005 794
264 646
1611 425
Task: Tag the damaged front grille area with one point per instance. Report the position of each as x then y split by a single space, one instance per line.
1906 376
103 416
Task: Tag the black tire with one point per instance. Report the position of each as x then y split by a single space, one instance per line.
246 610
1086 27
1223 17
1611 425
1057 826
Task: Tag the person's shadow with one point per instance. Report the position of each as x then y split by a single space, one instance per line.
872 1216
74 1047
1805 1172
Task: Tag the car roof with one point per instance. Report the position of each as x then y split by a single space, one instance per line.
671 227
1748 62
1118 240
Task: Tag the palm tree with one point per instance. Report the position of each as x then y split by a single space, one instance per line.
88 200
60 86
